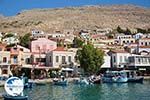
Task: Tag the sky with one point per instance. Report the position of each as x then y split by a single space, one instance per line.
12 7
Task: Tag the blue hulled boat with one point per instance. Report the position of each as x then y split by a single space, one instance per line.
8 97
115 77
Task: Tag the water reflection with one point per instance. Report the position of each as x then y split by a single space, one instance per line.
126 91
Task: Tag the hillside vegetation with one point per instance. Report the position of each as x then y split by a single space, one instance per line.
86 17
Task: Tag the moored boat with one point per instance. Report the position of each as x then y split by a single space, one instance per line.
82 81
61 82
132 76
8 97
137 79
115 77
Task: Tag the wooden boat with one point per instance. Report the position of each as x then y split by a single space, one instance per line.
115 77
8 97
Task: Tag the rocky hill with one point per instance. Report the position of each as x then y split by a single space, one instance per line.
86 17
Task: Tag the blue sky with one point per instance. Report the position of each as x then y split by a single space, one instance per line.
12 7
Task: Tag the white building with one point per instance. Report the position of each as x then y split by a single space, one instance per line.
106 62
144 42
56 35
122 39
119 58
85 35
142 62
138 36
36 32
10 40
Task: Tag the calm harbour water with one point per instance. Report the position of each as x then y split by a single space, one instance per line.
125 91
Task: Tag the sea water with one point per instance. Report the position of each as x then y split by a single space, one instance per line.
105 91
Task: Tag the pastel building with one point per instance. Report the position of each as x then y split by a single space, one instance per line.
60 57
19 56
42 45
39 48
4 61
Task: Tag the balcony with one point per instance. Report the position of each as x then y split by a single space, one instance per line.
14 52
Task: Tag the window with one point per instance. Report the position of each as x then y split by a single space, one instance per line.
125 58
4 59
15 59
139 60
145 43
27 60
121 59
57 58
63 59
69 59
50 59
141 43
114 59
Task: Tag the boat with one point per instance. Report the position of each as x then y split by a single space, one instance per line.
61 82
114 77
26 82
95 79
82 81
9 97
132 76
28 85
137 79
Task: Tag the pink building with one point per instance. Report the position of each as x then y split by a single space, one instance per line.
39 49
42 45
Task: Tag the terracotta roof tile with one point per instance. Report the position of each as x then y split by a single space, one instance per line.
119 51
60 49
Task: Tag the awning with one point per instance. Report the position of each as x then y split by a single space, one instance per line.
67 69
142 68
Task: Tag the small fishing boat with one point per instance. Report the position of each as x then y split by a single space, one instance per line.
95 79
61 82
132 76
115 77
138 79
82 81
8 97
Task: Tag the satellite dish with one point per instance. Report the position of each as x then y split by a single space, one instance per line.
14 86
